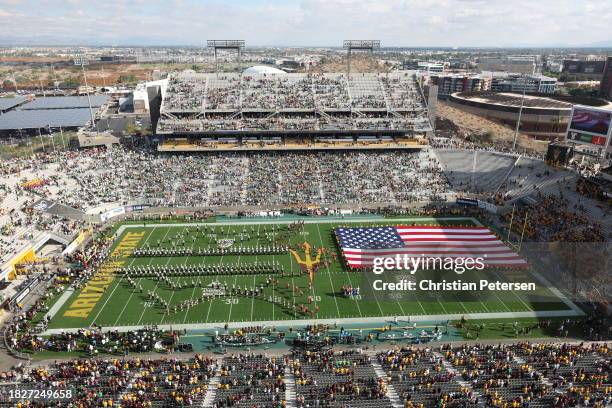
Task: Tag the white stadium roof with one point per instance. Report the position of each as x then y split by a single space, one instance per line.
263 69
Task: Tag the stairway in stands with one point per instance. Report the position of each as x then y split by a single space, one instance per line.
290 394
394 397
209 399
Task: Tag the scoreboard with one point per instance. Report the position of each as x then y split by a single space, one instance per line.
591 127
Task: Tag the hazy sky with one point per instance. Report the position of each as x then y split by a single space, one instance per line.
309 22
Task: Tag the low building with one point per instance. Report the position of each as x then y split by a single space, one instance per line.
451 83
515 82
519 64
424 66
431 67
553 66
584 70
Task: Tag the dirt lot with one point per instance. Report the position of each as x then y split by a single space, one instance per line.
30 72
97 75
359 63
468 123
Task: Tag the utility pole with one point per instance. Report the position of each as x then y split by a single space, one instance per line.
52 139
523 232
63 142
82 61
42 88
41 140
518 120
510 226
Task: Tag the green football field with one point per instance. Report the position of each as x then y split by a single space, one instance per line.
114 302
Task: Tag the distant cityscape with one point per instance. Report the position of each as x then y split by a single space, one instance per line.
563 71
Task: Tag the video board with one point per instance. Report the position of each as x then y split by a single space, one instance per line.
590 126
591 121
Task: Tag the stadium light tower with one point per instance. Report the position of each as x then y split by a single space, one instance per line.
358 45
82 61
216 45
518 120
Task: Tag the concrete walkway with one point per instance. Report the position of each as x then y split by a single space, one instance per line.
383 320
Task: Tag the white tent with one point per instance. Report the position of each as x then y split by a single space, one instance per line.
263 69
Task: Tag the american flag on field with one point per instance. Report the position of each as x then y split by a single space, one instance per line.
360 245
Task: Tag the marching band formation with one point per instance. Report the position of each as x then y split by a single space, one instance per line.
257 268
218 251
176 245
218 290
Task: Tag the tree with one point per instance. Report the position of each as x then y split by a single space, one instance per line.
131 129
584 92
72 81
127 79
8 84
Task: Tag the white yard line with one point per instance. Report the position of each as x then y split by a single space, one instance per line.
253 295
419 302
513 293
229 314
273 292
144 306
210 303
229 317
378 303
332 285
292 284
174 291
401 308
555 291
478 223
196 285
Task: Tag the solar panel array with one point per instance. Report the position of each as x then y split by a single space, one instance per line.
65 102
40 118
8 103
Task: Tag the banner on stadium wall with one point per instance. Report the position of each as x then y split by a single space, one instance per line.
269 213
25 256
112 213
477 203
24 291
21 295
76 242
136 208
467 201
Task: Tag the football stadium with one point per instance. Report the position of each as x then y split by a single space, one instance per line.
300 239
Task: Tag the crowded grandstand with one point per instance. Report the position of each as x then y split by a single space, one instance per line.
225 110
